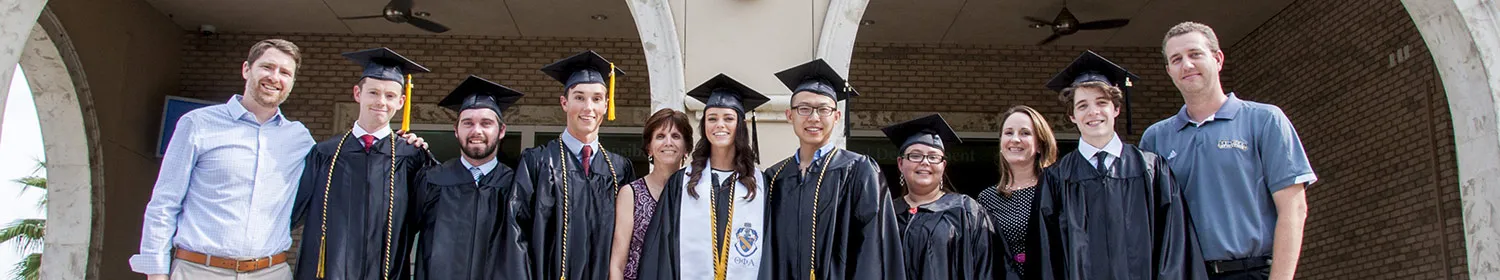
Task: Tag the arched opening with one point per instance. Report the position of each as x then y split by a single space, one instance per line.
74 168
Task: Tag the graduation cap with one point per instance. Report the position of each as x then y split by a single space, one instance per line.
1090 67
385 64
586 67
478 93
721 91
817 77
931 130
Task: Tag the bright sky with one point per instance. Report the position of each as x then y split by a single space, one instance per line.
20 148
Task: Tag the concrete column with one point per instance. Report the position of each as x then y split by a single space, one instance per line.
659 40
16 19
69 186
1464 37
750 41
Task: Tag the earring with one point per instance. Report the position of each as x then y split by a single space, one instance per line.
903 180
650 159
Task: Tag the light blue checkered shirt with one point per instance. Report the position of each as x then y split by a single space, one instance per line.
225 188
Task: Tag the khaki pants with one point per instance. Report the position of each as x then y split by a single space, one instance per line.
184 270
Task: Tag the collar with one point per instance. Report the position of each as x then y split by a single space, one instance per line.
576 146
1113 147
483 168
379 133
1226 111
817 155
238 111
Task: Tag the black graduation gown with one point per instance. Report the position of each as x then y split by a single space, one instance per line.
359 198
946 239
857 235
467 230
1129 224
590 207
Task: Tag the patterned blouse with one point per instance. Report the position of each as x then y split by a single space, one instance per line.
645 207
1012 215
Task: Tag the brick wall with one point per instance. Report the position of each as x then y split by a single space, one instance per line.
991 78
211 68
1379 135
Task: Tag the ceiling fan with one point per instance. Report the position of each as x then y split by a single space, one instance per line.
399 11
1066 24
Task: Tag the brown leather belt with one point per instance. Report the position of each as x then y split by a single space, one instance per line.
233 264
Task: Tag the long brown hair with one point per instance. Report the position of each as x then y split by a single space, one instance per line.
1046 145
744 156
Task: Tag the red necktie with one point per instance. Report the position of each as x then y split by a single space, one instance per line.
369 140
587 152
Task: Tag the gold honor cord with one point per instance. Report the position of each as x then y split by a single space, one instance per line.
721 257
813 253
566 206
390 208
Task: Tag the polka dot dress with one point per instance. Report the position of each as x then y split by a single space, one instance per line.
1012 216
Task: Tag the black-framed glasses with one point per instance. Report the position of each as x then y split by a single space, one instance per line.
918 158
808 111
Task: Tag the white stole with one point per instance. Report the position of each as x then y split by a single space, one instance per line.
746 232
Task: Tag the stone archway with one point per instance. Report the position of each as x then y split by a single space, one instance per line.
1464 38
74 165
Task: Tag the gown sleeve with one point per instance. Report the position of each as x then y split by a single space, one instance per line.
306 187
1044 255
974 245
660 257
1177 255
875 240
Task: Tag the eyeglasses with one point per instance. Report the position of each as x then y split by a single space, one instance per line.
808 111
918 158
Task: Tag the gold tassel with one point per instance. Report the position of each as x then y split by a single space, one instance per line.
406 109
611 113
322 250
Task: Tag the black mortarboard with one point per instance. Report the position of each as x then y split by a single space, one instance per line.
931 130
584 67
476 92
817 77
1090 67
721 91
385 64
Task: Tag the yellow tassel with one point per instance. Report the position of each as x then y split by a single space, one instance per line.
406 109
611 113
322 249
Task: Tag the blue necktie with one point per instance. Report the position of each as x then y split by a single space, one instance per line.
475 171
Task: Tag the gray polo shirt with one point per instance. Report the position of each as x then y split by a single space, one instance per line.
1230 164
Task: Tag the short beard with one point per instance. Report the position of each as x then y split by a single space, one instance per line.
487 151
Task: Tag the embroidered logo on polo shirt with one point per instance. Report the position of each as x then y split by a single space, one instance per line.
1172 155
1232 144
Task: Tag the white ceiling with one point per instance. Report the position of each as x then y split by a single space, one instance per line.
996 22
